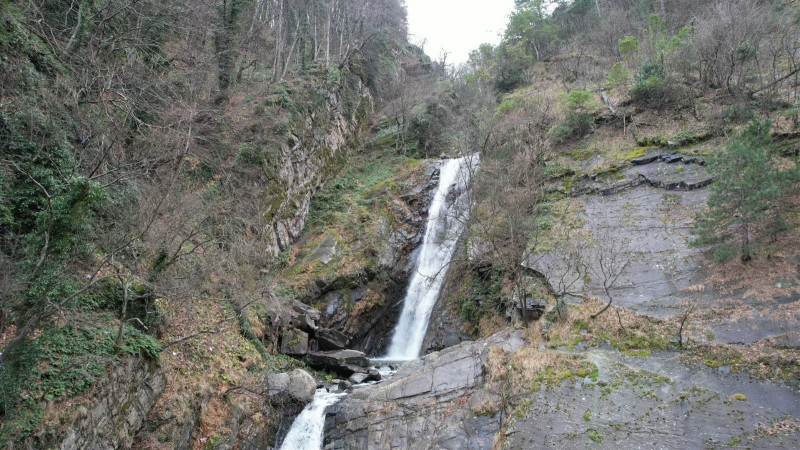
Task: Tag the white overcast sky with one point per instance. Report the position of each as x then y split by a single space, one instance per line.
456 26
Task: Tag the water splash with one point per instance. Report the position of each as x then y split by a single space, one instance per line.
446 220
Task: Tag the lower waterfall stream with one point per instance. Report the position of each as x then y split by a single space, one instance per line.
446 221
306 431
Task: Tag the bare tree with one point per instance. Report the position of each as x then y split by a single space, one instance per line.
611 258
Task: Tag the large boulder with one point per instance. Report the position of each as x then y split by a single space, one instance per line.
342 362
429 403
302 386
306 318
277 384
297 386
330 339
294 342
358 378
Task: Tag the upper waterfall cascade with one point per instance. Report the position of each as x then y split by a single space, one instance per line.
446 220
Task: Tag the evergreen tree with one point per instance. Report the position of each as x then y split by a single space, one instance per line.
746 191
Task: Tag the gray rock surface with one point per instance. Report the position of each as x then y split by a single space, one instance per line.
294 342
647 211
306 156
439 401
444 330
305 317
277 384
330 339
655 402
668 171
296 387
648 214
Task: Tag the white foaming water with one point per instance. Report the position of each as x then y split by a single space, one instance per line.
446 219
307 430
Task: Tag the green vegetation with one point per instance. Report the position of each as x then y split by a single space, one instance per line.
628 46
147 153
618 76
579 121
747 193
62 362
158 155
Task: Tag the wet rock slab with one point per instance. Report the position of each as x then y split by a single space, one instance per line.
426 404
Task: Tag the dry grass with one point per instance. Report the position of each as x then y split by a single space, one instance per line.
789 426
636 332
761 360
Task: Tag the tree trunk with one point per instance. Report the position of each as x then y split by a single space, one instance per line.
608 305
328 37
746 256
75 39
291 49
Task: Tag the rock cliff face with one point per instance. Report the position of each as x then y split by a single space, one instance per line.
311 154
452 400
444 327
124 401
656 402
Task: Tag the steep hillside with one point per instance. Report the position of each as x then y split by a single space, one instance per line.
157 156
208 208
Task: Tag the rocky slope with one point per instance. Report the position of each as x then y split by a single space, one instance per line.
311 154
572 382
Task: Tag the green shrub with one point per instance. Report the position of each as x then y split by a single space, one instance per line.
249 155
724 254
579 122
628 46
651 89
575 126
618 76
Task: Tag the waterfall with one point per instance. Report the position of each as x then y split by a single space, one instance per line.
446 219
307 429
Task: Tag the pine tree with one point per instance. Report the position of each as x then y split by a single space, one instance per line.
746 190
